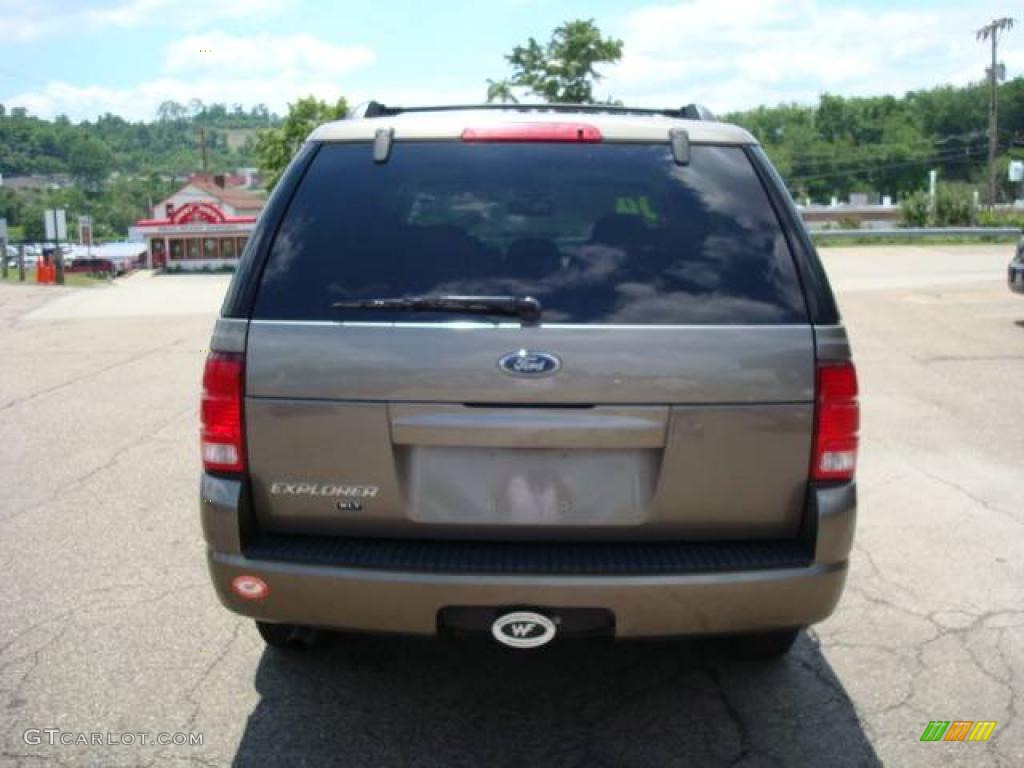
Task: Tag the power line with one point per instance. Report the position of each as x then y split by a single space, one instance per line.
952 159
974 156
861 165
852 162
868 152
833 151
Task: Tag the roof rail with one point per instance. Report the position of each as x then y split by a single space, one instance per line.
688 112
697 112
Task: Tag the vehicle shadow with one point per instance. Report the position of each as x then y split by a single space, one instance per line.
361 700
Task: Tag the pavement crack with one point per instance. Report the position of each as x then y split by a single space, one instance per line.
962 490
86 376
111 461
189 695
746 747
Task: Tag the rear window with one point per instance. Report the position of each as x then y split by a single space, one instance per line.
598 233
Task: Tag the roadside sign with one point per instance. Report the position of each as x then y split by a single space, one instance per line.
85 230
1016 170
56 223
3 230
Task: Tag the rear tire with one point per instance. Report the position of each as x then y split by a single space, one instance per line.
286 636
762 646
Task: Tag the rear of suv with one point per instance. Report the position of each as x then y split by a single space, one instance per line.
533 371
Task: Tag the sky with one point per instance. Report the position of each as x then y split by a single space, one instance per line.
83 59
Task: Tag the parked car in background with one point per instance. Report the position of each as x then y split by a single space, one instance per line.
533 372
1015 272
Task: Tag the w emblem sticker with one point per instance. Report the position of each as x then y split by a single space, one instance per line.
523 629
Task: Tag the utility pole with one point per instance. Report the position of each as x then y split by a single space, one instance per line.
991 32
58 254
202 145
3 245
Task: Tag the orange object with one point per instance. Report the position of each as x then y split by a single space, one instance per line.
46 272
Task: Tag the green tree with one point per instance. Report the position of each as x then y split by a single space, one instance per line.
171 111
89 160
953 207
563 70
500 91
275 146
915 210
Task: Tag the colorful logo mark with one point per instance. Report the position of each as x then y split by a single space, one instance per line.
958 730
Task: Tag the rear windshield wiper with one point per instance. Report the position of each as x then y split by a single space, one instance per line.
526 308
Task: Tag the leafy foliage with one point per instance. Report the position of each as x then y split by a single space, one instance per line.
114 206
275 146
563 70
886 144
90 150
914 210
953 207
117 167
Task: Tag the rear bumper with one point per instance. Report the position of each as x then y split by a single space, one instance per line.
1015 276
384 600
642 606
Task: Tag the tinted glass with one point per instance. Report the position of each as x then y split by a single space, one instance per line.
599 233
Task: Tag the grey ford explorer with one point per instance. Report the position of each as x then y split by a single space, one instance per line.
535 372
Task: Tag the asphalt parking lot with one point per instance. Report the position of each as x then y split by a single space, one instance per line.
108 622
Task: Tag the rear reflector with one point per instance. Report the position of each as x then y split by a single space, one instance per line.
250 587
559 132
837 421
220 410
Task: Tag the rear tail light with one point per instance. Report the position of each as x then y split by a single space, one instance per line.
220 432
837 421
559 132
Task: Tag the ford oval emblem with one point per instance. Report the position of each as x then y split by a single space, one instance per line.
523 629
527 363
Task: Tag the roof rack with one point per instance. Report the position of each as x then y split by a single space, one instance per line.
688 112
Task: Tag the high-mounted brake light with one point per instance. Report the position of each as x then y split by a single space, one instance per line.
837 421
559 132
220 432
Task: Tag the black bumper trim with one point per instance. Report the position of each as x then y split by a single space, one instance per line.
542 557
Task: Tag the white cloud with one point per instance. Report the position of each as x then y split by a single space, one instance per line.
140 102
28 21
230 55
745 53
267 69
215 67
728 55
137 13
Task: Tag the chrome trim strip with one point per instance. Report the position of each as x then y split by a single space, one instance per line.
464 325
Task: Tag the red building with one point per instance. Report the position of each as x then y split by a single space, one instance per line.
203 225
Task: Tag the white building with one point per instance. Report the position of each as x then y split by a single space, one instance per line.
203 225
